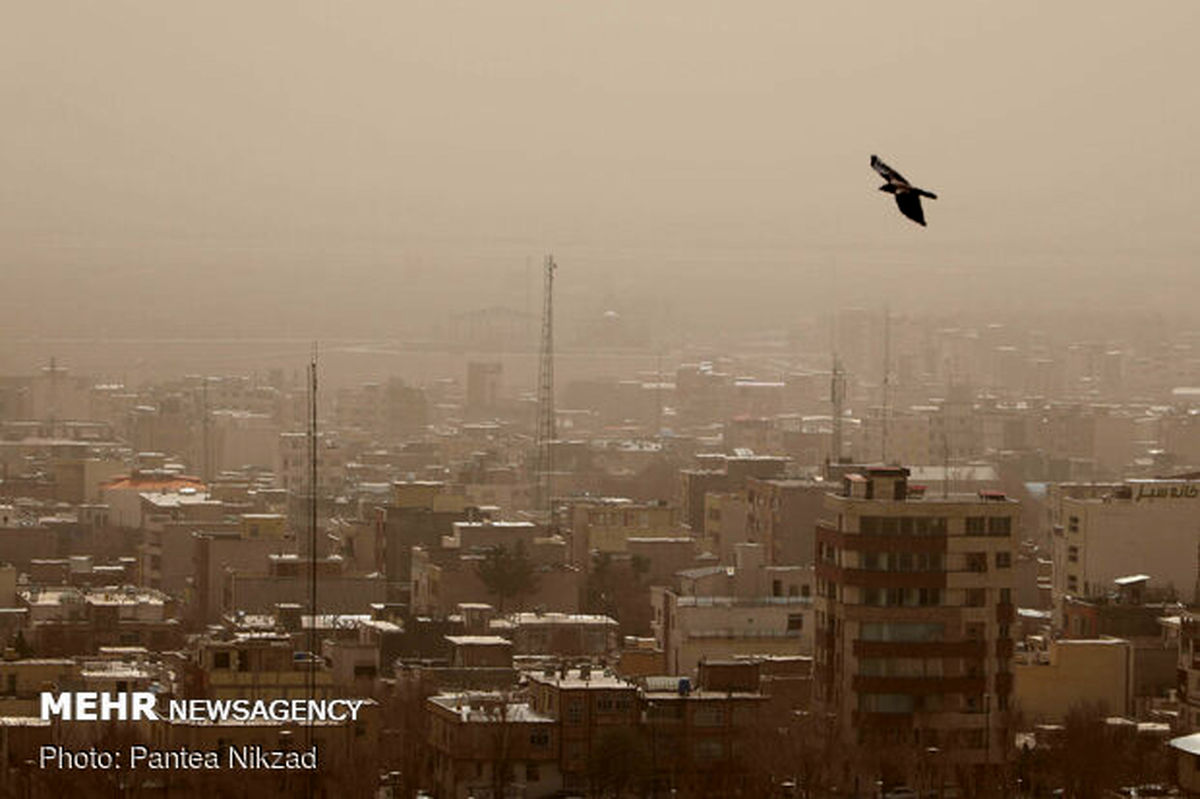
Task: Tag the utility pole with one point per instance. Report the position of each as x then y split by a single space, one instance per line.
545 434
312 536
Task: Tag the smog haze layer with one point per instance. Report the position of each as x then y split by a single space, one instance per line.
288 171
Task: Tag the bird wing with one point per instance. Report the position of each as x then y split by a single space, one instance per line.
891 175
910 206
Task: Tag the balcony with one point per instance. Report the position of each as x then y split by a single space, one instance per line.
871 578
976 649
918 686
881 543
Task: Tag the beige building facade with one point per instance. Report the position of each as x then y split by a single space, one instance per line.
914 615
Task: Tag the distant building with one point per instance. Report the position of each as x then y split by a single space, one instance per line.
782 515
723 611
605 524
1106 531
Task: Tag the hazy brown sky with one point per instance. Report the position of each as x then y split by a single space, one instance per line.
152 148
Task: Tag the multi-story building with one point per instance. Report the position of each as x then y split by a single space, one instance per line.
724 611
721 473
259 665
1112 530
591 709
64 620
725 515
605 524
701 738
914 619
781 515
490 744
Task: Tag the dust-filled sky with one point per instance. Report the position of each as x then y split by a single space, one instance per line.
307 168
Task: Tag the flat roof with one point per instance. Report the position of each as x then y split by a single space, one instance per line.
1187 743
478 640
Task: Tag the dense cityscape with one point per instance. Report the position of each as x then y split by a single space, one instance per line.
535 400
878 555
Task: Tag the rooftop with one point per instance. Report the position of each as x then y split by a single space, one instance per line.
483 708
575 678
562 618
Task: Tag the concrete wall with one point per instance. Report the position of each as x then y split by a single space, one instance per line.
1078 671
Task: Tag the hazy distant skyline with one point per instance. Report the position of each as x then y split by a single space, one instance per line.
160 160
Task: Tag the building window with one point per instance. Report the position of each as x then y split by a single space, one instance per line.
977 561
1072 583
1000 525
220 660
574 712
795 622
539 739
1073 524
1072 554
976 597
976 525
532 773
1003 560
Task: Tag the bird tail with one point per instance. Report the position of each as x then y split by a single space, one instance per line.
923 193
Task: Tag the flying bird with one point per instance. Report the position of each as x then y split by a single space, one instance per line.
908 196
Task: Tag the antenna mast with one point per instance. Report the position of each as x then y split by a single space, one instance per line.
837 393
887 380
206 432
545 395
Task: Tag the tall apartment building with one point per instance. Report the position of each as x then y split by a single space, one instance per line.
914 617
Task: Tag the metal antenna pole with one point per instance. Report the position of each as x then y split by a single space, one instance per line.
837 393
887 379
545 397
206 432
